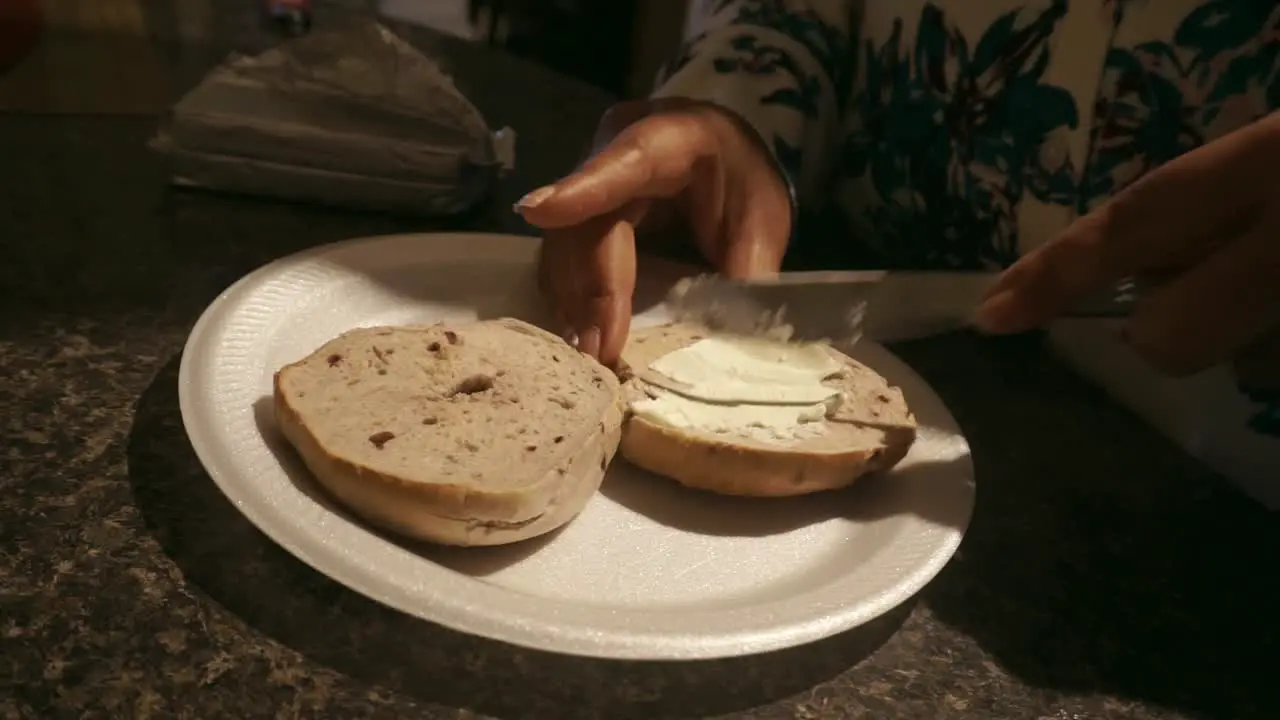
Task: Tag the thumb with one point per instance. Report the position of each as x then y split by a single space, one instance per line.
755 255
757 217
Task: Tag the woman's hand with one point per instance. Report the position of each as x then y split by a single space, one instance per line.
672 166
1203 230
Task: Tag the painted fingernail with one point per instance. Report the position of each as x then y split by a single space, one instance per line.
535 198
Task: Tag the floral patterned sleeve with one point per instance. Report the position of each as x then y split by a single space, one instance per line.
782 66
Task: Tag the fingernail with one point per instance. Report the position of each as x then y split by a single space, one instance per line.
589 342
570 337
535 198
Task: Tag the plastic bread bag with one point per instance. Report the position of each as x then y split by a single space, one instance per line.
352 116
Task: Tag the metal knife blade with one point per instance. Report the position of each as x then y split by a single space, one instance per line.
798 307
841 306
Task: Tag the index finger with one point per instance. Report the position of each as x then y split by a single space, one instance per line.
1172 217
651 158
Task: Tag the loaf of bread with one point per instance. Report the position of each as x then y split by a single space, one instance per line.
869 429
469 434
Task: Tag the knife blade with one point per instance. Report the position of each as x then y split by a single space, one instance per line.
842 306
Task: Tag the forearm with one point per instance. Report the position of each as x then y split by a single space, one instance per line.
783 68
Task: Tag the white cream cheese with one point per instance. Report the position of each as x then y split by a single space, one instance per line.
752 388
746 370
782 422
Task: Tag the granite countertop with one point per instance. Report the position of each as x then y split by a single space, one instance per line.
1105 574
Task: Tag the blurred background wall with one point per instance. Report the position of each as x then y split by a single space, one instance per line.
617 45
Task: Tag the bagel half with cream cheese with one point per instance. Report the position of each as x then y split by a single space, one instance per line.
749 417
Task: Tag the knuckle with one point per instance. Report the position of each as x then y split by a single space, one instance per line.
682 126
706 125
622 114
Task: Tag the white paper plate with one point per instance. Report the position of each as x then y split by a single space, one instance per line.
648 571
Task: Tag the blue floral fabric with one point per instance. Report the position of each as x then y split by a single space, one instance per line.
1162 98
955 134
949 132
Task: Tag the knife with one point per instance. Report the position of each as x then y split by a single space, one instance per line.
843 306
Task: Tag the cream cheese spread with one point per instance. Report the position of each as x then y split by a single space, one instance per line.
750 387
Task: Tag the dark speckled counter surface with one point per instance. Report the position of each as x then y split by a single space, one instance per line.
1105 574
